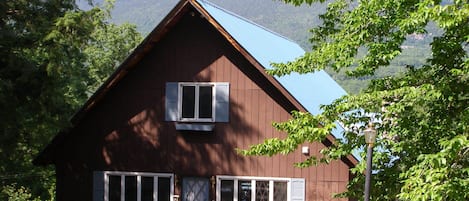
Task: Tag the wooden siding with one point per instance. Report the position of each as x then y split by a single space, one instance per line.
126 131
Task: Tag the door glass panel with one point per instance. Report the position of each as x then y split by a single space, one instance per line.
195 189
262 190
114 188
188 101
244 190
205 102
280 191
147 188
227 190
164 188
130 188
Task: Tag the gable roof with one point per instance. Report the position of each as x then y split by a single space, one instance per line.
268 47
257 44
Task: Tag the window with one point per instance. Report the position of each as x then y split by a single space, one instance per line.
197 102
195 189
132 186
230 188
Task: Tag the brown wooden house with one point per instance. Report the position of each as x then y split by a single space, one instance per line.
166 125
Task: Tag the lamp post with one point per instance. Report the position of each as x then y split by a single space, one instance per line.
370 138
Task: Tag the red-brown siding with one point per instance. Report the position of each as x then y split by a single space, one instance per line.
126 131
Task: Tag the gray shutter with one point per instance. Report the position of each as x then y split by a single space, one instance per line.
98 186
297 189
222 102
171 101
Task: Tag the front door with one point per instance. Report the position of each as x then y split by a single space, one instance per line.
195 189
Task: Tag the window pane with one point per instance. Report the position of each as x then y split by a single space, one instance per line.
130 188
244 190
188 101
114 188
164 188
280 191
205 101
227 190
195 189
262 190
147 188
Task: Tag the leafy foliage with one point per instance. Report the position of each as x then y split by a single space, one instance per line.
445 173
421 114
47 49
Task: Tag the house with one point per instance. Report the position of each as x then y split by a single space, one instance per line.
166 125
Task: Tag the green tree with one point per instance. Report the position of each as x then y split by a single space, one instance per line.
48 68
422 115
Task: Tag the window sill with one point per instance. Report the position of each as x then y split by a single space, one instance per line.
194 127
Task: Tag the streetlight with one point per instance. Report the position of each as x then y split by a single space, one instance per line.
370 138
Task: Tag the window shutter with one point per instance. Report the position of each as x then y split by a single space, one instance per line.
98 186
222 102
171 101
297 189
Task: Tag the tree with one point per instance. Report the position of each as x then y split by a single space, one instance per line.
48 68
422 115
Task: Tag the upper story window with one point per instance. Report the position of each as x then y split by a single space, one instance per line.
197 101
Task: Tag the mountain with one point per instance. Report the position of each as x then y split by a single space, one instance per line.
287 20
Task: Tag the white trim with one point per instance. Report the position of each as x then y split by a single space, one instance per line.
171 189
271 190
155 189
218 186
119 173
235 191
139 187
197 86
253 180
253 190
106 187
139 176
123 187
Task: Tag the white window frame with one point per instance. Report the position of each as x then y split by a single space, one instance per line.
253 185
139 176
196 106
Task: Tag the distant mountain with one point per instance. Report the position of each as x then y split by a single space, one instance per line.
287 20
290 21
